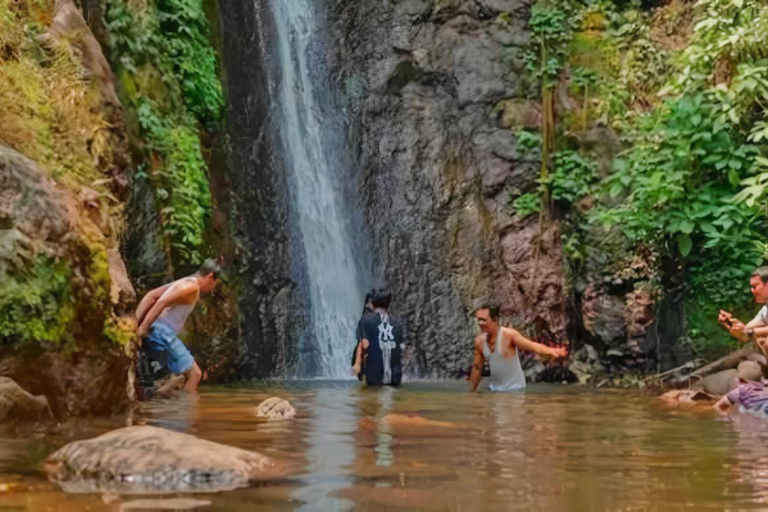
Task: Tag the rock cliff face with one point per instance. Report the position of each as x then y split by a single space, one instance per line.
258 211
65 302
435 87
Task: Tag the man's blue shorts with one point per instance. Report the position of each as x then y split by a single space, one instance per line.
164 346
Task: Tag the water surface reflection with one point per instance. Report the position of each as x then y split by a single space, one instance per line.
435 446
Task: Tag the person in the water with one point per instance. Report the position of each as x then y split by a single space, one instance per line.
367 308
758 326
161 315
381 346
500 346
748 396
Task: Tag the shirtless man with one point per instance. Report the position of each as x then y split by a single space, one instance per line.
161 315
500 346
758 326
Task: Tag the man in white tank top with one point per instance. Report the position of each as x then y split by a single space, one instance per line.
161 315
500 346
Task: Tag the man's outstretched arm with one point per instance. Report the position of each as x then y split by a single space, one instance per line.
523 343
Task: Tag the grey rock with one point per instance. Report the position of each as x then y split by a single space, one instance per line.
749 370
275 407
69 25
500 6
18 405
718 383
151 459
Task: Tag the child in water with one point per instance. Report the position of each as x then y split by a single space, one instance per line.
748 396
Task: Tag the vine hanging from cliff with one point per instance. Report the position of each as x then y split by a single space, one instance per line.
550 31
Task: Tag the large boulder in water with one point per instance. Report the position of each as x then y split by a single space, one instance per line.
148 459
18 405
275 407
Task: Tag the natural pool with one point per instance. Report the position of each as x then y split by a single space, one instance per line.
550 448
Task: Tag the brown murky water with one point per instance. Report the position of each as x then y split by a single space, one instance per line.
435 446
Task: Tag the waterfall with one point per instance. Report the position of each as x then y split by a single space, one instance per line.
322 189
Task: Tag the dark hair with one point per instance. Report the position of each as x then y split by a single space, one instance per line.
381 298
493 310
365 302
209 266
762 273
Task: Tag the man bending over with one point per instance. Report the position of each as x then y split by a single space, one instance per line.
161 315
500 346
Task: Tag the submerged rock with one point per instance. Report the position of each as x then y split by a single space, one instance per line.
18 405
275 407
154 460
687 396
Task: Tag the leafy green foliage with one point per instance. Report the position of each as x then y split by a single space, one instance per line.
527 204
181 184
550 30
168 70
36 305
527 142
690 187
574 176
680 188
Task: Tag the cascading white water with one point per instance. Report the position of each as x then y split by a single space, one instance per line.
319 179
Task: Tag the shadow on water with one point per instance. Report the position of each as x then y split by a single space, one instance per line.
432 445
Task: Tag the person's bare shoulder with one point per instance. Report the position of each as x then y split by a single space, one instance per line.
186 286
479 342
510 334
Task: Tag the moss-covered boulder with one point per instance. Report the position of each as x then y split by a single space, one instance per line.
65 302
61 334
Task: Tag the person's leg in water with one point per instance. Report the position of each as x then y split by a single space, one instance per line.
194 376
163 341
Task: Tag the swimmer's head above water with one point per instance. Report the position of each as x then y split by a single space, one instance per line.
487 317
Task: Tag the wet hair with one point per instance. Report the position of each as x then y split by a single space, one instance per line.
762 273
493 310
381 298
209 266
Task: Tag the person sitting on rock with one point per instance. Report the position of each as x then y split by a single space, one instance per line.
500 346
748 396
757 328
381 346
161 315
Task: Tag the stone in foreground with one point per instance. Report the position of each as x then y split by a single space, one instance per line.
144 459
18 405
275 407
